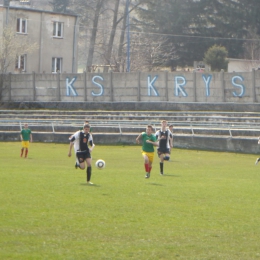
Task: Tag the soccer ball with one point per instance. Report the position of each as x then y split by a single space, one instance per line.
100 164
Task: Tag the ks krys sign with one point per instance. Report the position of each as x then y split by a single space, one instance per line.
179 86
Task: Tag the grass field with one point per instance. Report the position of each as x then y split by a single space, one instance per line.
206 207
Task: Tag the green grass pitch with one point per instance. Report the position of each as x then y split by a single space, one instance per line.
207 206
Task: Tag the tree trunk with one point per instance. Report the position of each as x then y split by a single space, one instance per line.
122 38
112 37
93 35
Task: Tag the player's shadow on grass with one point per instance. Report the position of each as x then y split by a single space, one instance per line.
92 185
155 184
171 175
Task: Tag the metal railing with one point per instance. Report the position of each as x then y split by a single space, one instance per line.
134 126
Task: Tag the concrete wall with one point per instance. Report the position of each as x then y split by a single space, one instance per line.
210 143
176 87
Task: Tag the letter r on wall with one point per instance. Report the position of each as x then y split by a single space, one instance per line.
179 86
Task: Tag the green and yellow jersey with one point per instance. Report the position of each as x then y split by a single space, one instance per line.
26 134
146 146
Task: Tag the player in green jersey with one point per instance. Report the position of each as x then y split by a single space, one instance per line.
148 141
26 137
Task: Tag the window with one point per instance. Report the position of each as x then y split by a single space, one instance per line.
57 29
21 26
20 62
56 65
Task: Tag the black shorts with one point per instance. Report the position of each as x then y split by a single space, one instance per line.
163 151
82 156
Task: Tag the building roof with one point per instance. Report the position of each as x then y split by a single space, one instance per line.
38 10
234 59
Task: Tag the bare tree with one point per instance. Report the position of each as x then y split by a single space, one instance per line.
101 42
11 45
252 46
112 36
94 34
128 10
148 52
121 59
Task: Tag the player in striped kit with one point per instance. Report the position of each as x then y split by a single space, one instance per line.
81 140
164 136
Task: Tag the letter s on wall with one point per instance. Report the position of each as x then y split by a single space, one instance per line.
99 85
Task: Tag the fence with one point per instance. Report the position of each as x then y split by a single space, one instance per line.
174 87
231 129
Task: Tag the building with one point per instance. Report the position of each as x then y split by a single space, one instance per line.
242 65
55 33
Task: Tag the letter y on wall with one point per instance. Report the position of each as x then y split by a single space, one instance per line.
207 82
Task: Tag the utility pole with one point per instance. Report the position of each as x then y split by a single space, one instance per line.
127 37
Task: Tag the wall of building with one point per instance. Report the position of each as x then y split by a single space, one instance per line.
239 65
40 31
135 87
57 47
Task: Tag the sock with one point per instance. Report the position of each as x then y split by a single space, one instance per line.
146 166
22 152
150 168
78 165
166 158
77 161
161 167
26 152
88 173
